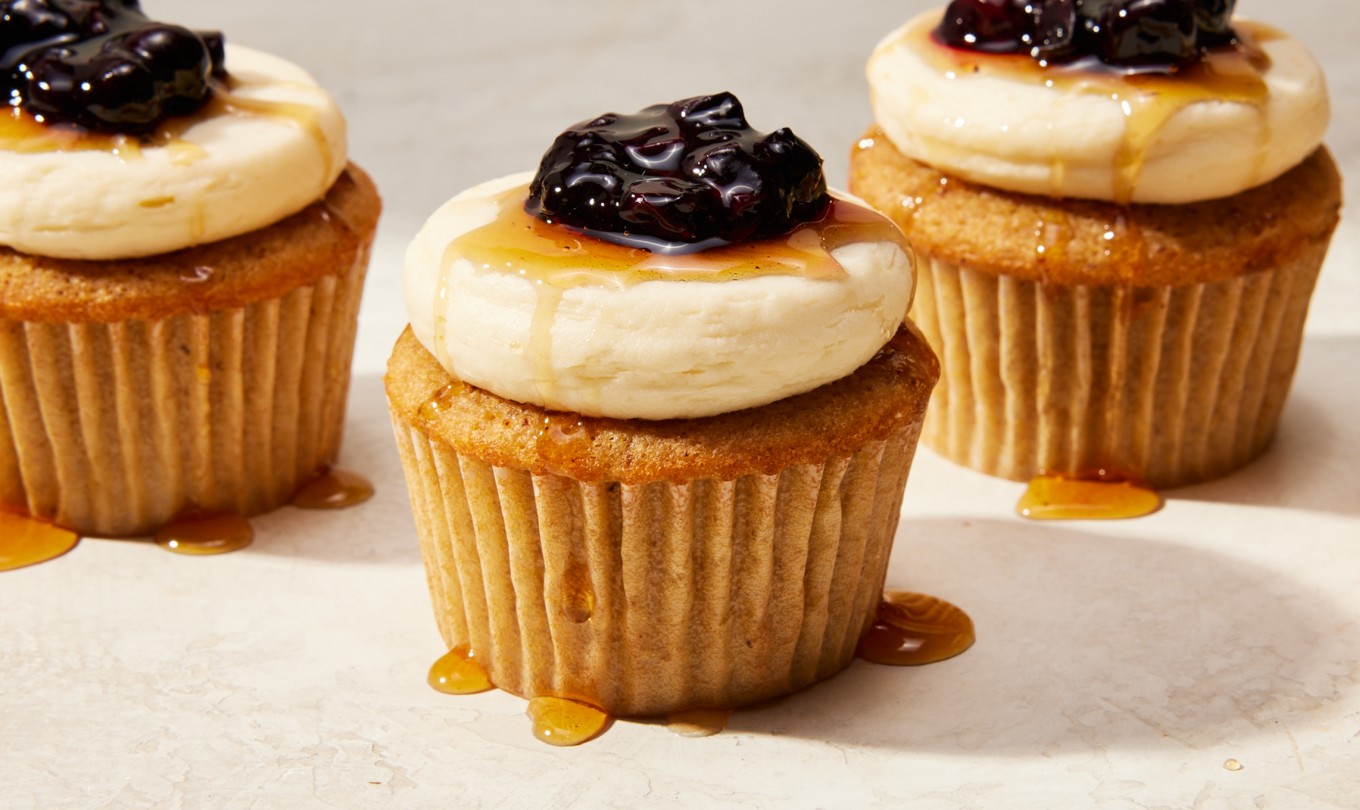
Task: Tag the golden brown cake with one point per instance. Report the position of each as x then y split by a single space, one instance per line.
180 273
1164 353
652 566
1114 292
651 477
212 379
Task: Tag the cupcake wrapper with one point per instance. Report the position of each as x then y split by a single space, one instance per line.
1172 385
115 429
650 598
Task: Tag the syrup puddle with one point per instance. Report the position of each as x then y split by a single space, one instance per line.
912 629
458 673
698 722
333 489
1053 497
26 541
204 536
562 722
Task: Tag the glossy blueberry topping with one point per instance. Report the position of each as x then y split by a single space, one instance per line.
1135 34
679 177
103 65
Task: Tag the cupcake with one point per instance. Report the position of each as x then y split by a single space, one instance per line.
1120 211
656 409
182 249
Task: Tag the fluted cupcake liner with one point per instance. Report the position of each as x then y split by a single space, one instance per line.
1172 385
116 428
644 599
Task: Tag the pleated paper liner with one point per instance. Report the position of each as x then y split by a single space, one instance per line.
115 429
1167 385
650 598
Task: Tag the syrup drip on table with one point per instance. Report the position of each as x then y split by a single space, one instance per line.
698 722
1108 497
203 536
1148 100
28 541
458 673
563 722
911 629
333 489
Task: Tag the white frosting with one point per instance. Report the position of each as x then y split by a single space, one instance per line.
652 350
275 144
1063 141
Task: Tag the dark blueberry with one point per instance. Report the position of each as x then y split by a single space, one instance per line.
217 51
1148 33
102 65
1053 36
678 178
1214 18
1138 35
986 25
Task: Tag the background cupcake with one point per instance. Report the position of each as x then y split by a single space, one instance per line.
184 248
1121 219
665 478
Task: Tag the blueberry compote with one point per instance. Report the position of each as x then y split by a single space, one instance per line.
102 65
679 178
1141 35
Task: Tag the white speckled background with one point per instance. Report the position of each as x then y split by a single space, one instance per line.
1119 665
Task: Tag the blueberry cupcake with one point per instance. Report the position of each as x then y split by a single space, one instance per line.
1120 210
183 244
656 409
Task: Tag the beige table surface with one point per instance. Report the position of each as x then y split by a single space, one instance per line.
1119 665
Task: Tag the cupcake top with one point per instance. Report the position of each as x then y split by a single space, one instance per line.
1161 101
128 137
668 264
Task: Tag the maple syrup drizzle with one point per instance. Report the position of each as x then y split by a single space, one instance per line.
441 400
698 722
23 133
202 536
26 541
563 722
1102 496
334 489
911 629
1148 99
458 673
556 258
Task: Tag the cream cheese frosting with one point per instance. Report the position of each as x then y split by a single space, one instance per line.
270 145
656 349
1053 133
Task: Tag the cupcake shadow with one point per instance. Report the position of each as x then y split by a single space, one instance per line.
1085 642
1311 464
381 529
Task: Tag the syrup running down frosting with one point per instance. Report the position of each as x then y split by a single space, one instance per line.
542 314
1235 119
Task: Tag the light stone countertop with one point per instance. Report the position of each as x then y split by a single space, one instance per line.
1118 665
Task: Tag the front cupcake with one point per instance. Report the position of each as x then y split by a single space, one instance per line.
656 409
182 250
1121 209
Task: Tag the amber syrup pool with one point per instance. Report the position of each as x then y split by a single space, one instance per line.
458 673
558 721
26 541
1055 497
911 629
334 489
